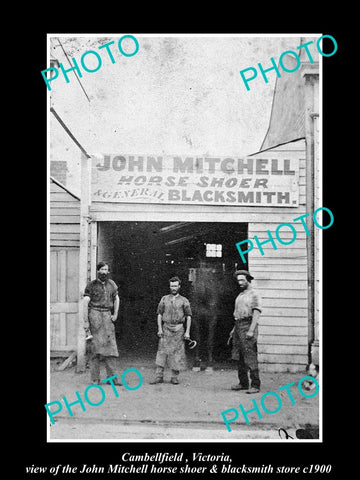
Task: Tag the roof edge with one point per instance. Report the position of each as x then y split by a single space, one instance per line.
64 188
277 145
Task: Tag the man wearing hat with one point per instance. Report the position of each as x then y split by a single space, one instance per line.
244 334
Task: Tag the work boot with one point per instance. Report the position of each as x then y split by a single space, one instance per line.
114 382
156 380
253 390
174 381
239 387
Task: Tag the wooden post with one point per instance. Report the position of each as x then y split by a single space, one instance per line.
311 76
93 247
83 258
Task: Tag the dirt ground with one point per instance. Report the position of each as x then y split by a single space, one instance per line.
188 410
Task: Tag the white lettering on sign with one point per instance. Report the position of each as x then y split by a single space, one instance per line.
250 181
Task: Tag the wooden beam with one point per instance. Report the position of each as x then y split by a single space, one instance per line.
67 362
174 226
67 130
93 246
83 258
180 240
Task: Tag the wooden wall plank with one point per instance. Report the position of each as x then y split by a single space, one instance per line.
65 236
278 267
55 330
276 293
287 359
62 197
283 322
283 349
62 276
69 204
283 340
284 275
281 284
62 211
53 277
283 330
278 262
64 243
72 276
64 228
268 303
62 328
276 314
278 283
283 367
61 219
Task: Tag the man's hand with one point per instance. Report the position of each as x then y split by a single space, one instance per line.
113 318
160 333
187 336
249 334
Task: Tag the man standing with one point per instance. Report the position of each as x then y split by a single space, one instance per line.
101 307
172 312
245 332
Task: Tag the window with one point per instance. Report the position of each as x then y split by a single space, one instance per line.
213 250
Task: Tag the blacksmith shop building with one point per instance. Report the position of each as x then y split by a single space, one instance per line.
155 216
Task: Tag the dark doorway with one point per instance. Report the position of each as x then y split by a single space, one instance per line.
143 257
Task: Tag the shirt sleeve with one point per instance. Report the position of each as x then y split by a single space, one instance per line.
87 292
187 308
115 290
161 307
256 303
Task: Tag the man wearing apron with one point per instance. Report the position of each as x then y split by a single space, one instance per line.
101 305
173 312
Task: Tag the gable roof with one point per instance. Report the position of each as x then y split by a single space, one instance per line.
287 119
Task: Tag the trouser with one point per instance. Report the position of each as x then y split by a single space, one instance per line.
160 372
95 361
248 360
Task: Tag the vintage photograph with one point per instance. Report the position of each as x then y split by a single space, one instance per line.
185 230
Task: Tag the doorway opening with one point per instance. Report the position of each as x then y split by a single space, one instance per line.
143 256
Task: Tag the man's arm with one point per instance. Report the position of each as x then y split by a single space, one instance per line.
159 322
188 314
255 321
116 308
86 301
188 325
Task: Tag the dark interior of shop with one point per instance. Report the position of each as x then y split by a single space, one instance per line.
143 256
